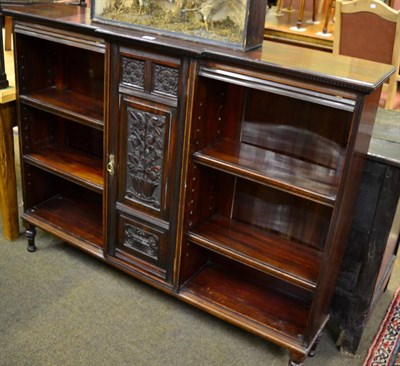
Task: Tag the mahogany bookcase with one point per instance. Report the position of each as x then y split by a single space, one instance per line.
224 178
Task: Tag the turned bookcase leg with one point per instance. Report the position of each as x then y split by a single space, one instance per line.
296 359
30 235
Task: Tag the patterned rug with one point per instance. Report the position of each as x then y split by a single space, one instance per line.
385 349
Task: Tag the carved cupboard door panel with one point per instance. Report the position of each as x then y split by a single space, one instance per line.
144 156
145 170
145 160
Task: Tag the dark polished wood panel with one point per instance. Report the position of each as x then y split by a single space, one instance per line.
293 218
268 167
76 216
74 165
69 104
307 130
233 294
262 250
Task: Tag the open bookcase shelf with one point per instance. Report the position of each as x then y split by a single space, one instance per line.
297 176
73 105
265 251
61 90
70 218
235 296
63 147
77 166
268 159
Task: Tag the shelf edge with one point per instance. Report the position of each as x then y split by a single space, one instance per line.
242 322
253 263
249 174
61 112
78 242
65 175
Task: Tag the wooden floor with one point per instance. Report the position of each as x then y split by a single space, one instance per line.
282 28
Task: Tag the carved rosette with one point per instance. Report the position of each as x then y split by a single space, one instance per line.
165 80
142 241
132 72
145 156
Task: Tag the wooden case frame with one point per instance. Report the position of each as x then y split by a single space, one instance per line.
252 22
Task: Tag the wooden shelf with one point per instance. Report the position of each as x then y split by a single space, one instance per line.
261 309
259 249
75 220
68 104
74 165
270 168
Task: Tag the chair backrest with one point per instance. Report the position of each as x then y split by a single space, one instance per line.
369 29
395 4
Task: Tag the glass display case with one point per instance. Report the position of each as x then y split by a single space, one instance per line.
237 24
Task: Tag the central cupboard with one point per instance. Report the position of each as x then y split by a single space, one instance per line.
226 179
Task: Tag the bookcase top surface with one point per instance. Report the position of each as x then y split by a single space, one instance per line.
302 63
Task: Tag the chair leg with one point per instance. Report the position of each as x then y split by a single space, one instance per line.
314 11
328 15
391 92
7 33
301 13
279 5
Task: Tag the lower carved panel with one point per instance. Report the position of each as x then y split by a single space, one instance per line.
143 246
141 240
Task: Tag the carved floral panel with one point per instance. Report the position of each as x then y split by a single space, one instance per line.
165 80
145 156
132 72
142 241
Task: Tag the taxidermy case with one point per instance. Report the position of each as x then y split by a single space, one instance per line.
237 24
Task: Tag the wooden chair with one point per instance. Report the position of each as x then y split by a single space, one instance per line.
301 5
369 29
395 4
301 12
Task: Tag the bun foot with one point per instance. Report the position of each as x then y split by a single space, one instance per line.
296 359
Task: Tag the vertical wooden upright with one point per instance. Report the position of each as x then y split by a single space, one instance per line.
8 193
